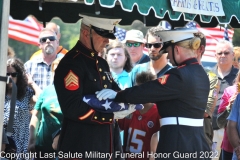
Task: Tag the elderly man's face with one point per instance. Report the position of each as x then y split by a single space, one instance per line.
99 42
224 55
48 42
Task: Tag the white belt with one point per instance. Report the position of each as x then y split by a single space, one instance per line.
181 121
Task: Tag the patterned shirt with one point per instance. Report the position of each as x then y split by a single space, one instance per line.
40 71
21 120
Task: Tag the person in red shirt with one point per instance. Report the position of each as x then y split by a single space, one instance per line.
140 126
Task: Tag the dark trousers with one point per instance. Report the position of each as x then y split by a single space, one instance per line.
226 155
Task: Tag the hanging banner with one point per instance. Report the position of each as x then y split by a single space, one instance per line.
203 7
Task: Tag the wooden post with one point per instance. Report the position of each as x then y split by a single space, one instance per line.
4 16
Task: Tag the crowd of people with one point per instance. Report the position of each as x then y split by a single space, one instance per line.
189 112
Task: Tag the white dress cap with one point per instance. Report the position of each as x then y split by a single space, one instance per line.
100 21
177 35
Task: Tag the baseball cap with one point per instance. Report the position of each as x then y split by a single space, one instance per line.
134 35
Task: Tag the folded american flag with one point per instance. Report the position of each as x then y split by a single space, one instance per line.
108 106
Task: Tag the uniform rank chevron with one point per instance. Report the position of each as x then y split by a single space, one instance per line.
71 81
163 79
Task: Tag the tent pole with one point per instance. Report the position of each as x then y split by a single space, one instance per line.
4 18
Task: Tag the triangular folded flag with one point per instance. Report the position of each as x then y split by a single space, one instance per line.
108 106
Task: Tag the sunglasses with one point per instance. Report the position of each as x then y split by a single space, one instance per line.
136 44
44 39
12 74
155 45
225 53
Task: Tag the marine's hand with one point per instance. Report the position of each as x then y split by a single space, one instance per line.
125 113
106 94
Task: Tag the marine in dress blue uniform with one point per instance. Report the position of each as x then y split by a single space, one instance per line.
82 72
181 96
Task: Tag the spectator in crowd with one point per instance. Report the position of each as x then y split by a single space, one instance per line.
158 63
236 60
141 125
40 68
233 125
27 94
46 119
134 42
119 63
228 97
226 76
60 50
212 96
11 53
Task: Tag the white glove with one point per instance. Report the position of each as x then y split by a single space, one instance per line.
125 113
106 94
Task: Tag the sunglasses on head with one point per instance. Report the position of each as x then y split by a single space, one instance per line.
155 45
225 53
12 74
44 39
136 44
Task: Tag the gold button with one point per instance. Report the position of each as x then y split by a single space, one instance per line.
100 69
111 81
103 77
95 80
95 117
92 54
103 119
105 86
110 119
97 62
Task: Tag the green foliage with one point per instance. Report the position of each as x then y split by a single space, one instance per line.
236 39
69 33
22 50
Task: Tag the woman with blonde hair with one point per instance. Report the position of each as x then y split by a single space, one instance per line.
47 111
181 96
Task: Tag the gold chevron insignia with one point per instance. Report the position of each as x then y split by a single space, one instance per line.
71 81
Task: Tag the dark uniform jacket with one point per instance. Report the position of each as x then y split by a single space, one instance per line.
181 92
82 72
